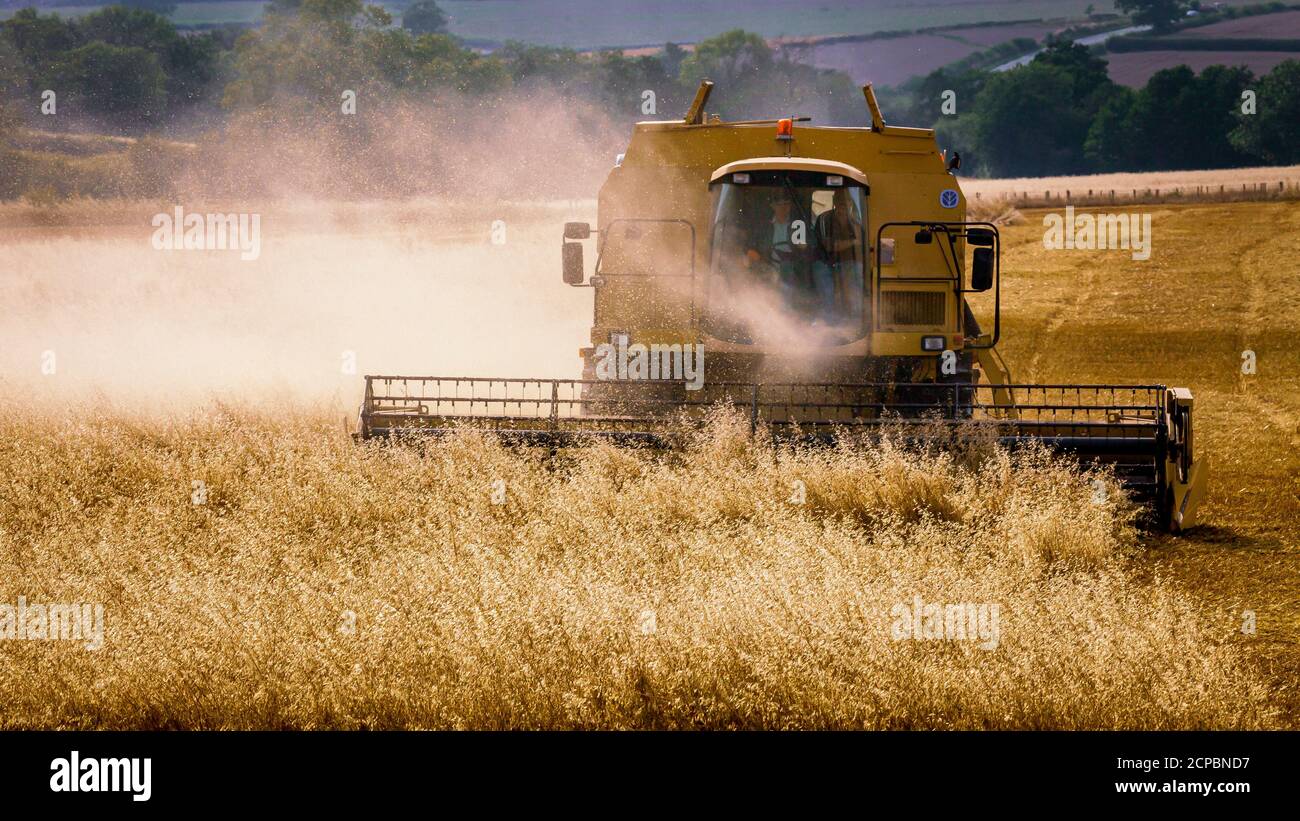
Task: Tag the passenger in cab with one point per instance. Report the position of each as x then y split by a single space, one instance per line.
838 268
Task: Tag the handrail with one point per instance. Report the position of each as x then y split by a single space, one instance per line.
954 268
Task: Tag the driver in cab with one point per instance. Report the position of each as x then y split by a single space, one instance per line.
771 252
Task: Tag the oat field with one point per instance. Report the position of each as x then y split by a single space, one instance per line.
307 581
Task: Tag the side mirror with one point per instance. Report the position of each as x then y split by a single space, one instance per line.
981 272
924 237
572 263
576 230
979 236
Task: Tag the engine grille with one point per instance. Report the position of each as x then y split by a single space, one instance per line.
911 308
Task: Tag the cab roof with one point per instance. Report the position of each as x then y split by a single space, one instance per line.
791 164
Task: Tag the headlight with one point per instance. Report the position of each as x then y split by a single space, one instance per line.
932 343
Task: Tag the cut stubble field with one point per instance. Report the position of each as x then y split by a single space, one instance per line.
1222 280
1280 25
325 584
1135 68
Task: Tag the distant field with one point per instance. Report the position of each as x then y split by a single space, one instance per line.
987 36
607 23
889 61
1281 25
1134 68
1163 180
636 22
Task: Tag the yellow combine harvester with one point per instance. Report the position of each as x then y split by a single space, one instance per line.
823 279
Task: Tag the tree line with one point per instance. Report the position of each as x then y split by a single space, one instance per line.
1062 114
129 70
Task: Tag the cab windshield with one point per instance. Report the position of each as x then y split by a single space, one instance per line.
788 256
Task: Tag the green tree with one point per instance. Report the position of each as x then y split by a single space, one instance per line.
754 81
1179 120
1090 77
1272 132
443 63
927 108
40 41
306 57
190 63
732 60
1114 140
13 86
673 56
193 70
431 62
1034 120
335 11
1025 122
125 84
1207 116
424 17
562 67
1164 116
13 72
622 81
124 26
1158 13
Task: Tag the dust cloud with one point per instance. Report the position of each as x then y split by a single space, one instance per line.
113 317
428 245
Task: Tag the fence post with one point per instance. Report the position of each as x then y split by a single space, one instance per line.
753 412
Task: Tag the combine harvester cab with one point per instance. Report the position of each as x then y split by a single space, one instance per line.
824 280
